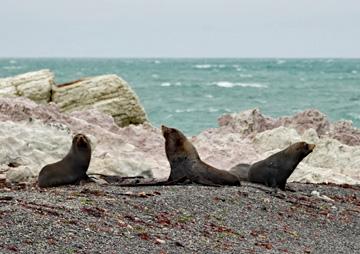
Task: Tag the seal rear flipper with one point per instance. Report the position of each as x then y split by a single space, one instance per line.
203 181
122 179
157 182
241 171
85 180
114 178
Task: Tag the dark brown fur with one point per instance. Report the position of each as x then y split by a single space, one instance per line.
185 162
276 169
71 169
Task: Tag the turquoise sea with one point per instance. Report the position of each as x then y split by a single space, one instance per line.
191 94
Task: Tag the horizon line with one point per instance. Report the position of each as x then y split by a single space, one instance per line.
169 57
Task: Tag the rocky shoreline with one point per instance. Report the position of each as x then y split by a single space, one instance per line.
321 216
33 135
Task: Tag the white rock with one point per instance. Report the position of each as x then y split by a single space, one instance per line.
278 138
19 174
324 197
139 150
108 93
33 85
34 144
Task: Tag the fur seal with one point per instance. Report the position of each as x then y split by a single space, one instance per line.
185 162
71 169
276 169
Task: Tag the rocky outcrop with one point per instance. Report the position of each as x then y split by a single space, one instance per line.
33 85
253 121
33 135
109 94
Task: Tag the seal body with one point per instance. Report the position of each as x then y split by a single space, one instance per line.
277 168
185 162
72 168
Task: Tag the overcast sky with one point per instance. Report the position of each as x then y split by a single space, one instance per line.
179 28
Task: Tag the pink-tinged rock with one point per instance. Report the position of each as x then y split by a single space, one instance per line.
134 150
345 133
308 119
34 135
247 122
251 122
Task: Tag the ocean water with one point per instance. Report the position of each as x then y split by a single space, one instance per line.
191 94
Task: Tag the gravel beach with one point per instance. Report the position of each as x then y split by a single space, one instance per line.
95 218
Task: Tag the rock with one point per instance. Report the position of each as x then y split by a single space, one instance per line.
33 135
223 148
19 175
251 122
280 137
247 122
249 136
331 161
311 118
33 85
108 94
345 133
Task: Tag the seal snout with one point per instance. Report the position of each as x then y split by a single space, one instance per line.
311 147
164 129
81 140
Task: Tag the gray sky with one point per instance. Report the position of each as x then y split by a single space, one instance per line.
179 28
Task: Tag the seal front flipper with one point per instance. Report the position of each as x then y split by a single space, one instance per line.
270 181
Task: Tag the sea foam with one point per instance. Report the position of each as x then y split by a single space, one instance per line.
166 84
203 66
228 84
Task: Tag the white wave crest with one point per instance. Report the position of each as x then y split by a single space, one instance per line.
212 110
187 110
166 84
228 84
12 67
354 115
244 75
203 66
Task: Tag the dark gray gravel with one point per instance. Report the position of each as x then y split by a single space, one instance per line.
179 219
